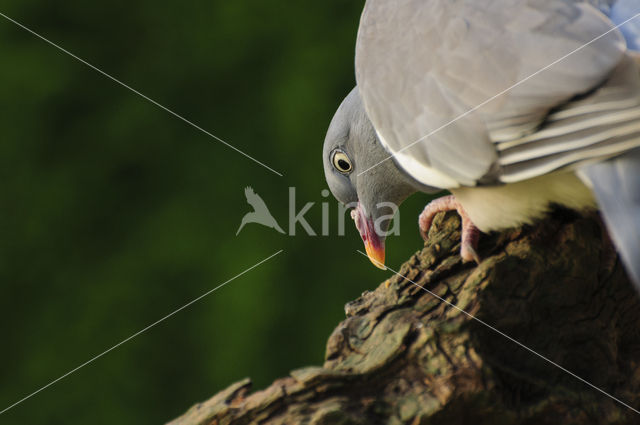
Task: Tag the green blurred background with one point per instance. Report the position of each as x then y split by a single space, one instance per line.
113 213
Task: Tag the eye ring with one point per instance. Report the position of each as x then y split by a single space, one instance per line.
341 162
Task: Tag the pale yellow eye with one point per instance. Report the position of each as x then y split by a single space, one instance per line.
342 162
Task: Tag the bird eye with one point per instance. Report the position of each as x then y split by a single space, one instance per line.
342 162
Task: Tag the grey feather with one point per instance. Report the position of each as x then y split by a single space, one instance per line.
451 56
616 184
465 93
600 125
351 132
623 10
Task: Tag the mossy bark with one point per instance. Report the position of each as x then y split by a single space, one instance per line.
402 356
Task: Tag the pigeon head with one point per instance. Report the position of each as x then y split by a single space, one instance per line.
360 177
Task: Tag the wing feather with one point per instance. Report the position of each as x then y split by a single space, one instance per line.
423 67
603 124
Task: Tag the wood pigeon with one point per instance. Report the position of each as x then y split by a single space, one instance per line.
511 105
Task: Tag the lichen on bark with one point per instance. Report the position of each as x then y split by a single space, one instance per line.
403 356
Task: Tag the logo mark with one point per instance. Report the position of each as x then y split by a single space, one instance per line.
260 213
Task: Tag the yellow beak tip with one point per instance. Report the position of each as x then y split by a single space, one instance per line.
379 265
376 256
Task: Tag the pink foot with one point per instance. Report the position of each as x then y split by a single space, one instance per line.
470 232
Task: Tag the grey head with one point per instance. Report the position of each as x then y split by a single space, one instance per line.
351 148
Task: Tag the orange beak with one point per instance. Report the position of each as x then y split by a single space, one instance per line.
372 242
375 254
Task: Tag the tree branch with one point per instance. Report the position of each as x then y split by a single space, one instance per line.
404 356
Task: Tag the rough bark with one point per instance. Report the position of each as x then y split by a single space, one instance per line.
402 356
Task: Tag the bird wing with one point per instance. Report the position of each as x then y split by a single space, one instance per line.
256 201
467 75
623 12
616 184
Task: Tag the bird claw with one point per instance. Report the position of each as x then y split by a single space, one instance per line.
470 232
468 253
445 203
424 234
